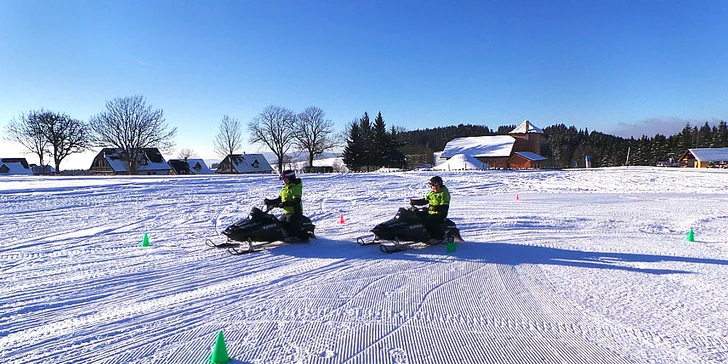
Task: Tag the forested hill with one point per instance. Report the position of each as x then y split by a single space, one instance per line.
563 145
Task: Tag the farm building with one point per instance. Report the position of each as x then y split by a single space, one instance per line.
705 157
517 150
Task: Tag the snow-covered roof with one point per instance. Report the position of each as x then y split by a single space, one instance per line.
482 146
710 154
526 127
531 156
116 164
198 166
250 163
150 159
153 161
14 168
461 162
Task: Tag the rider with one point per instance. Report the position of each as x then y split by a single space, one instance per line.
439 203
290 201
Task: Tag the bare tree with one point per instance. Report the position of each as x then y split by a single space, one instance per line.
229 137
65 135
274 127
185 153
26 131
314 133
44 132
129 124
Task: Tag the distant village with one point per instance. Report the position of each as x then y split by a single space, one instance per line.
517 150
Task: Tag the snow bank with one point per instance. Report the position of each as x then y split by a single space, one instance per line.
460 162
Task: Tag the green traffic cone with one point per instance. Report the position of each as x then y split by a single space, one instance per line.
219 351
451 247
145 241
691 236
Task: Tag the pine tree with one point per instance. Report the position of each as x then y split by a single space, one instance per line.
353 155
721 136
380 142
395 157
367 138
705 136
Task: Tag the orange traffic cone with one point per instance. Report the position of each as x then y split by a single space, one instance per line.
341 219
517 197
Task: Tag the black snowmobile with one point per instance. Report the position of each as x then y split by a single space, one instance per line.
405 229
259 228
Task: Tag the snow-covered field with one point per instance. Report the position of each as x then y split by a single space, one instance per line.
587 266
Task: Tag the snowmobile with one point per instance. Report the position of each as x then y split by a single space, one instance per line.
259 228
406 228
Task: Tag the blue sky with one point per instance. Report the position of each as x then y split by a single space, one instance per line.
621 67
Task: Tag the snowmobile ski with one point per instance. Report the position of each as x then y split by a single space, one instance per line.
238 250
226 244
252 247
395 246
368 240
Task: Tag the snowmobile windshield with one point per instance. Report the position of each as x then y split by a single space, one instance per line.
255 213
403 213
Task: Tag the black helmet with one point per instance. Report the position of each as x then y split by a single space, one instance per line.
290 174
436 181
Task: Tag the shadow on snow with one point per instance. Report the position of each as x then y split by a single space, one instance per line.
495 253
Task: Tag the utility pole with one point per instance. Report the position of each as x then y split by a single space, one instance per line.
627 162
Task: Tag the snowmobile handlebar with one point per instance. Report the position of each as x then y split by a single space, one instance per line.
418 209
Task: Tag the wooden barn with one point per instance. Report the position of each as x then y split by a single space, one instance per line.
518 150
526 160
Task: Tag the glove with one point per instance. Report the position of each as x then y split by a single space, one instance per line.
431 208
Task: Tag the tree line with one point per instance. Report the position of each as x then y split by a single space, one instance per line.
130 125
566 146
563 146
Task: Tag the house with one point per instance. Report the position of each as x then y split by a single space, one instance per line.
189 166
244 163
517 150
42 170
318 169
705 157
115 161
15 166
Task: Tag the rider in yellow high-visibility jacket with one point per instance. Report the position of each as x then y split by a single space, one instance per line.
290 201
439 203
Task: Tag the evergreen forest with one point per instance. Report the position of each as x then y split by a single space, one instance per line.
370 145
